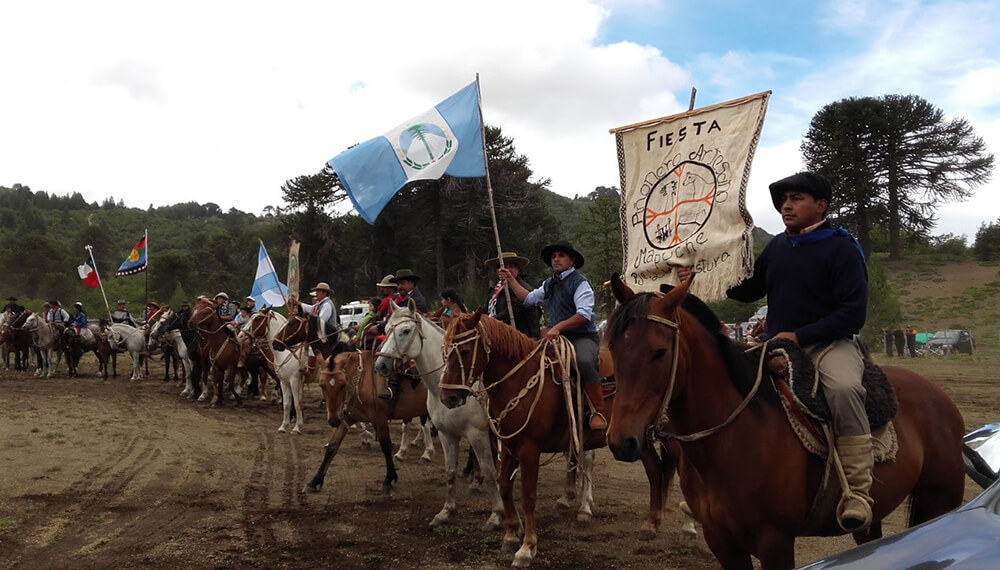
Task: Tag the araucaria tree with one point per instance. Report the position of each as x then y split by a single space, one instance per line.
893 160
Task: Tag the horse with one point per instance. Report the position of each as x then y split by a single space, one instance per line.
524 387
263 326
746 476
166 331
15 340
411 336
218 349
89 340
47 339
126 338
350 391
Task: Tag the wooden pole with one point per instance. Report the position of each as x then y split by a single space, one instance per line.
694 91
489 192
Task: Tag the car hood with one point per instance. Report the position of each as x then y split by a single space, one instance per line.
968 537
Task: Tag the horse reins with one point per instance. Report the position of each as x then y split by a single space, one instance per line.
658 428
403 352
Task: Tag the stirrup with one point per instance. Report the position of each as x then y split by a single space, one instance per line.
388 394
602 422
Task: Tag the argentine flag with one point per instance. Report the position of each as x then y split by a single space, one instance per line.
267 290
446 139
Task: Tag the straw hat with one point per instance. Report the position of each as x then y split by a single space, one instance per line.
221 294
322 286
509 258
387 281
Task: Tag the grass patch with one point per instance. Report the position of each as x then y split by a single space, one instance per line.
7 523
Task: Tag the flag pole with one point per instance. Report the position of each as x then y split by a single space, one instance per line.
145 238
271 263
90 251
489 192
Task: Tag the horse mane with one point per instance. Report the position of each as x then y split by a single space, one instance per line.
503 337
637 309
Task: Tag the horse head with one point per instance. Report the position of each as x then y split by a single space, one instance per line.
466 355
295 331
403 327
333 380
643 335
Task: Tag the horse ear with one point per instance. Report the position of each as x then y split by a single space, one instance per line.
411 305
392 303
675 295
621 291
320 360
477 315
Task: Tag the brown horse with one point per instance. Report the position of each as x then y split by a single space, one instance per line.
746 476
218 349
350 389
524 385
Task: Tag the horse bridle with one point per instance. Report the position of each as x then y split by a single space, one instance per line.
658 429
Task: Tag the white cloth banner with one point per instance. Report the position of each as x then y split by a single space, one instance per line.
683 182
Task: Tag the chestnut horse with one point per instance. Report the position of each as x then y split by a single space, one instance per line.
524 386
218 349
743 471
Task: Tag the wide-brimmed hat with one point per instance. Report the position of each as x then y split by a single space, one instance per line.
251 298
46 304
405 275
221 294
121 301
183 303
11 298
322 286
509 258
155 304
387 281
54 302
808 182
564 247
78 304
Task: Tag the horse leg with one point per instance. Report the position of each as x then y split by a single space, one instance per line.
529 456
231 375
217 376
566 500
286 409
329 452
294 393
775 549
425 429
586 511
727 550
483 449
505 485
449 446
402 440
385 444
659 468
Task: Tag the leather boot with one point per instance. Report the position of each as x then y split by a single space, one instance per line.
854 512
595 393
391 391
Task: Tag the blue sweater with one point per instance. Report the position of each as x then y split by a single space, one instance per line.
816 288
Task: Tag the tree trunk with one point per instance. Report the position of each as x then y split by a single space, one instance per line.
895 251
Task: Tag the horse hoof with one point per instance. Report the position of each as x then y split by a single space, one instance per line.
564 502
523 557
510 547
440 519
688 529
310 488
647 534
282 429
583 517
296 430
426 458
491 525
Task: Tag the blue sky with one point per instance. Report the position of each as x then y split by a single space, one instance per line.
224 101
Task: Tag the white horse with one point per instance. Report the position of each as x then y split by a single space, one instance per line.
47 340
166 330
131 339
411 336
287 364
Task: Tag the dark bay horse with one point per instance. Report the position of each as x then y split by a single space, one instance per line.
218 350
746 476
524 385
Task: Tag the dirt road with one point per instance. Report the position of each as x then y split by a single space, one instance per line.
122 474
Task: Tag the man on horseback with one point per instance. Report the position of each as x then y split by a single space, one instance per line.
57 314
226 310
406 283
12 306
569 298
816 283
526 319
121 315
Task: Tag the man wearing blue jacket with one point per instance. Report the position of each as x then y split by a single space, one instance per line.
816 283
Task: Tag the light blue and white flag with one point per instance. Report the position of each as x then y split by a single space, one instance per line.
446 139
267 290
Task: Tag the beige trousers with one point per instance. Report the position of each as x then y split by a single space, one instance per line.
840 370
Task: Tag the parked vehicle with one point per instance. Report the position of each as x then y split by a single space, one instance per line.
352 313
963 538
951 340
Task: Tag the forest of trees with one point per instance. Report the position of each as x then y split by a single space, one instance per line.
893 158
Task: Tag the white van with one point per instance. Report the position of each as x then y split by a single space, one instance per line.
352 313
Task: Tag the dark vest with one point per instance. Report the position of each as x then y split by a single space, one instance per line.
560 304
